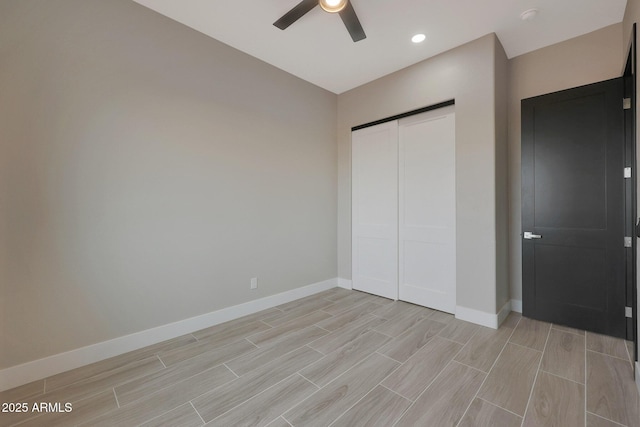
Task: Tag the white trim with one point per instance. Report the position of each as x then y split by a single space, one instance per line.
504 312
638 376
480 317
42 368
516 305
345 283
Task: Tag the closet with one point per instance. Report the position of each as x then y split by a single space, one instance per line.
404 209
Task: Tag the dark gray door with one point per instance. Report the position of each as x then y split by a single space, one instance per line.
573 255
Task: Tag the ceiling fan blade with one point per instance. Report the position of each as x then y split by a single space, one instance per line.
296 13
351 21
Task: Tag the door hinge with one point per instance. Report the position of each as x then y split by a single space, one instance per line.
626 103
628 312
627 242
627 172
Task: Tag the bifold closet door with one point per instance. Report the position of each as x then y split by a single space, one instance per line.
374 209
427 209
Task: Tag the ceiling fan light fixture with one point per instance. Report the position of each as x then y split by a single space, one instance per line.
332 6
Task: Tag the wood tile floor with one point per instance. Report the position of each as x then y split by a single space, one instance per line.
346 358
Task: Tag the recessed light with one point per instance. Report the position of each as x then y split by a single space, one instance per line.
529 15
418 38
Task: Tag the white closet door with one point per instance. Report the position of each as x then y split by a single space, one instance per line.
374 210
427 210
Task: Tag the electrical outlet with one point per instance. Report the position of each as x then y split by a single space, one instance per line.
254 283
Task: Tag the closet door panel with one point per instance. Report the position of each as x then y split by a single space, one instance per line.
375 210
427 210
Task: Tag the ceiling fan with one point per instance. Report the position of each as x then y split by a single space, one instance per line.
342 7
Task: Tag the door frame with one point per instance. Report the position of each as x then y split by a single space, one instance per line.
631 198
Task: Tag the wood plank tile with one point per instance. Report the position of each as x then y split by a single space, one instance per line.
630 351
342 336
401 322
301 302
379 408
564 328
531 333
459 330
555 402
273 316
105 381
442 317
405 345
229 325
217 335
612 346
335 294
564 355
302 311
447 398
267 406
388 311
22 392
83 410
484 414
164 400
322 408
182 416
482 350
83 372
511 321
274 334
611 389
554 396
96 384
413 377
254 317
27 417
148 384
374 298
279 422
341 320
344 304
213 351
596 421
509 382
341 360
227 397
268 315
264 355
341 293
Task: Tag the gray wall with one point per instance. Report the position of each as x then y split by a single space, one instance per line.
151 171
582 60
502 175
465 73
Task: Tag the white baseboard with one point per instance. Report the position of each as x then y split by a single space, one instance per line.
345 283
638 376
481 317
516 305
504 312
31 371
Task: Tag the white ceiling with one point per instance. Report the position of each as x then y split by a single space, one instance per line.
318 48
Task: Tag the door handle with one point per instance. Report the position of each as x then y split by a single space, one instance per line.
529 235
